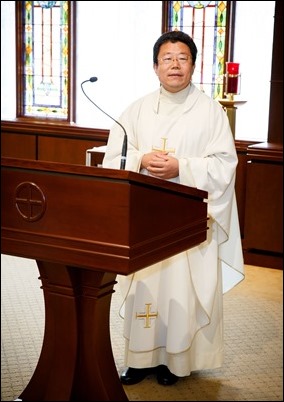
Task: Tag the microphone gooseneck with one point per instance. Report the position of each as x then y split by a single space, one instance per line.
124 145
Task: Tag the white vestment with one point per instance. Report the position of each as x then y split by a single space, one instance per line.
183 294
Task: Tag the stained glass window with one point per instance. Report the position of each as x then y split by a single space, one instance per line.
205 22
45 59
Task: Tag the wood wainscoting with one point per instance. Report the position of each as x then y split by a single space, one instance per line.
52 142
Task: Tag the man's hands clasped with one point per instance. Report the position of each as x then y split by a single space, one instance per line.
161 165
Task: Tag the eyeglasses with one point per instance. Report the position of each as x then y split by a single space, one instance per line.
181 58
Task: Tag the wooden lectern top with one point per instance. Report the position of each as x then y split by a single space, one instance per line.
115 220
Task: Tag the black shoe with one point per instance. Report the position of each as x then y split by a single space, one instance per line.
165 377
132 375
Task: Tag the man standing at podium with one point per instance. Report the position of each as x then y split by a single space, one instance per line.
178 133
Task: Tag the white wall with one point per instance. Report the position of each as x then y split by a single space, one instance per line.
118 50
115 42
253 50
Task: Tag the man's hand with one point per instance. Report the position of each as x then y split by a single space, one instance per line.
161 165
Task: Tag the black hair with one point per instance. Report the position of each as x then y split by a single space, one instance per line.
175 36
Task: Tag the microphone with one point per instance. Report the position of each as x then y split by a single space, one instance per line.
124 145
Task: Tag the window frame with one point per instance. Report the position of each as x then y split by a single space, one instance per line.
20 82
230 31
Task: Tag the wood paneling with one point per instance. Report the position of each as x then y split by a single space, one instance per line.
263 223
264 211
54 142
55 149
264 198
18 145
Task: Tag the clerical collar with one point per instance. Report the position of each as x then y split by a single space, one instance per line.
177 97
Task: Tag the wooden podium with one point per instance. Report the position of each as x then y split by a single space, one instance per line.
83 226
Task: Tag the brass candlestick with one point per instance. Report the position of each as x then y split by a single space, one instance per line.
230 107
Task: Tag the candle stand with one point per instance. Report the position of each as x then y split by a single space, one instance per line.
232 87
230 107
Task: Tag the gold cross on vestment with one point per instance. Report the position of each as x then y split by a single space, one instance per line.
147 315
164 140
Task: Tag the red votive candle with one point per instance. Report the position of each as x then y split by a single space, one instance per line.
232 68
232 78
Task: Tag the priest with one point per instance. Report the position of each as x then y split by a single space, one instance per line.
180 134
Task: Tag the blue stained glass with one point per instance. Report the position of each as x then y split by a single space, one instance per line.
46 4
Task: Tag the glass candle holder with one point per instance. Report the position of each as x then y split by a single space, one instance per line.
232 80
